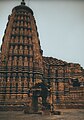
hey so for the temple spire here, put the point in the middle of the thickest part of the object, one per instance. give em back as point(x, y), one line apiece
point(22, 3)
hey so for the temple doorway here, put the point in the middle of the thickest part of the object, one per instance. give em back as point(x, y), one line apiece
point(40, 90)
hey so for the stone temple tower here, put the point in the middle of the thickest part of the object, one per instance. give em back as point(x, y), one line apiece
point(29, 79)
point(21, 56)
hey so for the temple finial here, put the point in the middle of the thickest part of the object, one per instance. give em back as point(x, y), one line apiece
point(22, 3)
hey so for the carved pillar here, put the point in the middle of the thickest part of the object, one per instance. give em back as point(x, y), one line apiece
point(11, 50)
point(25, 61)
point(21, 50)
point(13, 96)
point(25, 96)
point(19, 95)
point(12, 39)
point(21, 31)
point(8, 89)
point(25, 50)
point(10, 61)
point(25, 31)
point(16, 50)
point(25, 40)
point(20, 61)
point(21, 39)
point(16, 39)
point(15, 61)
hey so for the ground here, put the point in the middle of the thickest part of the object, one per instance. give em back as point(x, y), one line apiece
point(69, 114)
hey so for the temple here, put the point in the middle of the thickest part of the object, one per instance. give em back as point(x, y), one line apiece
point(27, 78)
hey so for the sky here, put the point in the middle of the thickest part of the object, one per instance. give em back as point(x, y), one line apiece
point(60, 25)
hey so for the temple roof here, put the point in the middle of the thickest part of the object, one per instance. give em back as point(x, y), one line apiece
point(23, 7)
point(54, 61)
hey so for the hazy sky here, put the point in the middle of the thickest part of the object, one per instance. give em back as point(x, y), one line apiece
point(60, 25)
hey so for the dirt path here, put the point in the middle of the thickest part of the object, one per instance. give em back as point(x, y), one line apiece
point(70, 114)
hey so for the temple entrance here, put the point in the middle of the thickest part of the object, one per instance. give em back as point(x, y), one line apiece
point(35, 103)
point(40, 90)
